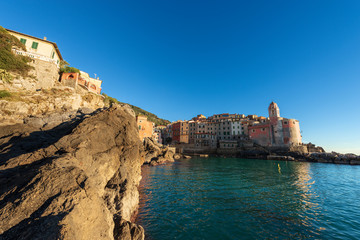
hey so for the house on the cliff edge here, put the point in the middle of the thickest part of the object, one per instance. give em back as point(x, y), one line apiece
point(46, 58)
point(37, 48)
point(83, 80)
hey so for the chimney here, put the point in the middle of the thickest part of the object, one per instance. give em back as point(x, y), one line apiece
point(45, 38)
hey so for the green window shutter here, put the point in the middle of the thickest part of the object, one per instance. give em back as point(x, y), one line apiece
point(23, 41)
point(34, 45)
point(53, 54)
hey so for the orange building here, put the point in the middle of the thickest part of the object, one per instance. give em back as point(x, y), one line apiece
point(146, 128)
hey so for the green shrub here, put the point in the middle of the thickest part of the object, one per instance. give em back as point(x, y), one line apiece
point(65, 68)
point(4, 94)
point(10, 61)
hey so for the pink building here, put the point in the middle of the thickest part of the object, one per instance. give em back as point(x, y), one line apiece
point(276, 131)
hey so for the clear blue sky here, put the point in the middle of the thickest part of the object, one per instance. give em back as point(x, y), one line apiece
point(181, 58)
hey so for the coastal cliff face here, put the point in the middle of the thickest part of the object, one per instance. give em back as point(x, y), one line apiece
point(60, 99)
point(71, 175)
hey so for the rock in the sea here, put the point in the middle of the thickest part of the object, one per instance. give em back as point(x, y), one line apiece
point(76, 180)
point(156, 153)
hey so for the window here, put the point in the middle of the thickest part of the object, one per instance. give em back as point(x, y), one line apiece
point(23, 41)
point(34, 45)
point(139, 127)
point(52, 55)
point(263, 129)
point(285, 122)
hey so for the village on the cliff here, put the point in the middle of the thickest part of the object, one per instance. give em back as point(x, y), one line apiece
point(226, 133)
point(46, 60)
point(223, 133)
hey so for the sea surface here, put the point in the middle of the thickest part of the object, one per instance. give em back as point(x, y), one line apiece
point(229, 198)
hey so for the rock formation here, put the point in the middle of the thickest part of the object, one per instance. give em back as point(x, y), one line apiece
point(156, 153)
point(23, 104)
point(71, 176)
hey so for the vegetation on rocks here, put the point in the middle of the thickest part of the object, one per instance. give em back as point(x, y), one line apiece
point(138, 111)
point(65, 68)
point(5, 76)
point(9, 61)
point(4, 94)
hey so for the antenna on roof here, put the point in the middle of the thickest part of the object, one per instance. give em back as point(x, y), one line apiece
point(95, 75)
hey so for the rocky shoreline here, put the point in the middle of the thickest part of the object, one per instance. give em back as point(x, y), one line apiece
point(74, 173)
point(71, 175)
point(333, 157)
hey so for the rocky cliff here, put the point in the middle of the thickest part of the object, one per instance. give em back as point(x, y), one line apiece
point(71, 175)
point(21, 104)
point(156, 153)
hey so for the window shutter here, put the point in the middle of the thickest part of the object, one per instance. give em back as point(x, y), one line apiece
point(34, 45)
point(23, 41)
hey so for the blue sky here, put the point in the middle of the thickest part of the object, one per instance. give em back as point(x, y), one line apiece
point(181, 58)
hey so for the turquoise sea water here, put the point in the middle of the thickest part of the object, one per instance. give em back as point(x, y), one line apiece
point(228, 198)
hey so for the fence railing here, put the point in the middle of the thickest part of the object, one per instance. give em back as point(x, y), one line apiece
point(35, 56)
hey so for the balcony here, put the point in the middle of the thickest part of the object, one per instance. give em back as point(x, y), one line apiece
point(35, 56)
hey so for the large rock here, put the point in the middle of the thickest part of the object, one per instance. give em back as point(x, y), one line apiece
point(156, 153)
point(77, 180)
point(58, 99)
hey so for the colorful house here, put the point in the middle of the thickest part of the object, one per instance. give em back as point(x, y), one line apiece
point(277, 131)
point(83, 80)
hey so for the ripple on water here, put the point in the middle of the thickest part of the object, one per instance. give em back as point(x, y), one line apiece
point(219, 198)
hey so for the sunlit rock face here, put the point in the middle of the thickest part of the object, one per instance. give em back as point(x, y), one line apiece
point(73, 180)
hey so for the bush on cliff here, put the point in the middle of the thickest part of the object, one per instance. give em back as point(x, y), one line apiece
point(8, 60)
point(138, 111)
point(65, 68)
point(4, 94)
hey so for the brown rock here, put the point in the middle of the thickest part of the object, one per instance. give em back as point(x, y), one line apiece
point(77, 180)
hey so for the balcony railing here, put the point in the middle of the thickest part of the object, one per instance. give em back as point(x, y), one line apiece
point(35, 56)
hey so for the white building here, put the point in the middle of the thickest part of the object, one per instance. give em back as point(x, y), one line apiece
point(37, 48)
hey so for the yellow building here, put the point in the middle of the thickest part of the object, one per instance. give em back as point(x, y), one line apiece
point(38, 48)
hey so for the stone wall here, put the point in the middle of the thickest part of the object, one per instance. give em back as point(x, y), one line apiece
point(44, 75)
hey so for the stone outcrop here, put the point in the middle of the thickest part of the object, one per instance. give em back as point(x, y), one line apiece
point(71, 176)
point(156, 153)
point(42, 75)
point(60, 99)
point(334, 157)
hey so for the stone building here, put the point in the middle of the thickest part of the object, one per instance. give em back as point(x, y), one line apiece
point(276, 131)
point(46, 59)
